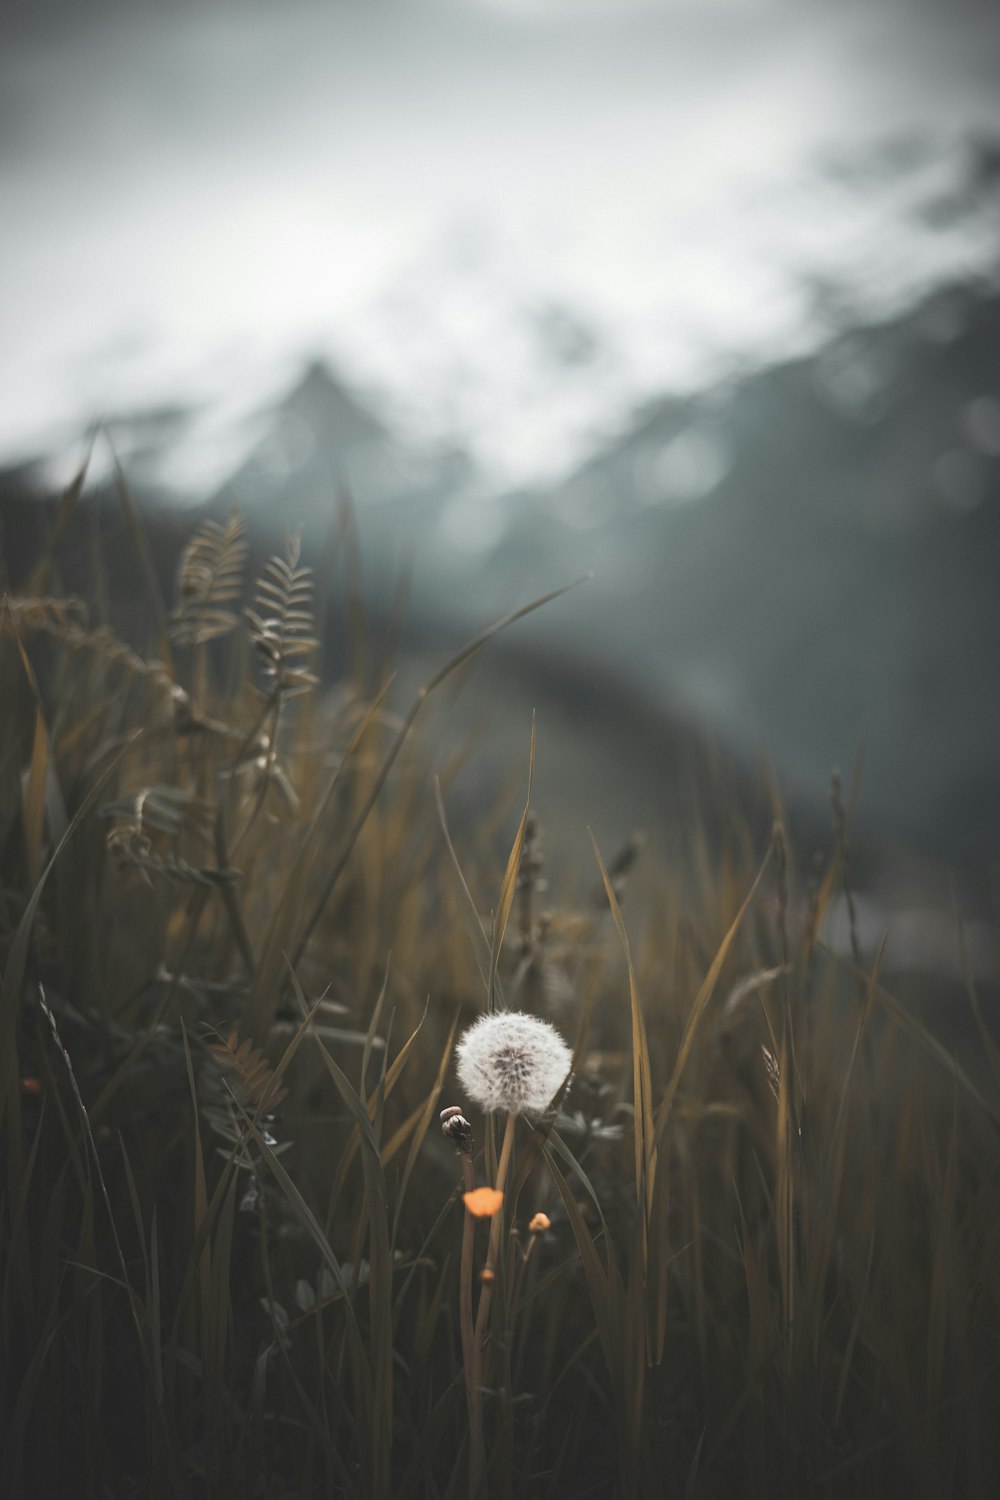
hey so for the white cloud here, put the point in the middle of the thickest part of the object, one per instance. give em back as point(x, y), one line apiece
point(194, 203)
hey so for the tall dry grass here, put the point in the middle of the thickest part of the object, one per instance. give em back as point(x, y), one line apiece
point(238, 941)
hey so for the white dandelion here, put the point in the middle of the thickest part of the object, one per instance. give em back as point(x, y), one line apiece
point(512, 1062)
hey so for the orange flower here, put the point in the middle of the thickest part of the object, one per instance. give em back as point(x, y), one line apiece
point(483, 1202)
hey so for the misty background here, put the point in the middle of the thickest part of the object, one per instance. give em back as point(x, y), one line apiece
point(702, 298)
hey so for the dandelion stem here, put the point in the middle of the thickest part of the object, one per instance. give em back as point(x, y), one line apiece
point(482, 1318)
point(496, 1232)
point(465, 1287)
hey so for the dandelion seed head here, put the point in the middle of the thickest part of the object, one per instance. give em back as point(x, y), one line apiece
point(512, 1062)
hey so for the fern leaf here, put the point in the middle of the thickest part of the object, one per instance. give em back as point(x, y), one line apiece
point(281, 624)
point(209, 580)
point(256, 1086)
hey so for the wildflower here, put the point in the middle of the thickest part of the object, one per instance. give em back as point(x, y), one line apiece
point(483, 1203)
point(540, 1224)
point(512, 1062)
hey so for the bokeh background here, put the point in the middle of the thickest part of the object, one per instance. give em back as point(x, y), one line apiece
point(699, 296)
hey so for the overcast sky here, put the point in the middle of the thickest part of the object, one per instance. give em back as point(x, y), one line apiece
point(506, 220)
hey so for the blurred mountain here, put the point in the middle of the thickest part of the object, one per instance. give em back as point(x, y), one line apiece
point(321, 445)
point(805, 561)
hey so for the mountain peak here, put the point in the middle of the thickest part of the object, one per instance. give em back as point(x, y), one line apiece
point(328, 407)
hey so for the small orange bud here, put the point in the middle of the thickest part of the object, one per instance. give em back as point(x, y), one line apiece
point(540, 1224)
point(487, 1275)
point(483, 1202)
point(30, 1086)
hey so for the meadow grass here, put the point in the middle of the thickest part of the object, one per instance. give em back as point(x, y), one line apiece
point(753, 1248)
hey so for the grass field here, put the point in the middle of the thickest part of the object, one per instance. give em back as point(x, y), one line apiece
point(752, 1247)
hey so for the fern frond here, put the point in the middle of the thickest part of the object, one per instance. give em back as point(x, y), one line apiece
point(136, 853)
point(256, 1087)
point(282, 624)
point(47, 613)
point(153, 814)
point(209, 580)
point(66, 621)
point(165, 809)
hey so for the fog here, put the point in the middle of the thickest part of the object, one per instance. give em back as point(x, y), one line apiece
point(700, 298)
point(507, 224)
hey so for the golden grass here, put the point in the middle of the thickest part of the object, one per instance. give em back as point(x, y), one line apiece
point(754, 1249)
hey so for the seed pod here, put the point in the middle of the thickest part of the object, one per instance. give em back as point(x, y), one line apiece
point(456, 1128)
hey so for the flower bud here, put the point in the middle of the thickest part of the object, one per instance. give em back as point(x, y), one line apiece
point(456, 1128)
